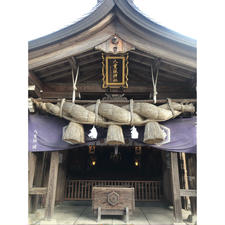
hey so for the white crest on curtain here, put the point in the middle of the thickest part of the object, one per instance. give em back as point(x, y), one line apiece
point(166, 135)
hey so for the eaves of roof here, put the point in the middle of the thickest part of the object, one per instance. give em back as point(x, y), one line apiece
point(96, 15)
point(127, 7)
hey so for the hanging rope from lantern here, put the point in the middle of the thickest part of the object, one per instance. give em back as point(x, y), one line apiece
point(74, 83)
point(154, 81)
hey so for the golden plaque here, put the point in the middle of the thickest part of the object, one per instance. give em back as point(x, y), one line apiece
point(114, 71)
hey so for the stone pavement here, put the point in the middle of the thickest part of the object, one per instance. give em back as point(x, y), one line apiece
point(74, 213)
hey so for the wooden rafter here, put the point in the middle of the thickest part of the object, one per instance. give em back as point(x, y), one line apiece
point(145, 72)
point(163, 60)
point(86, 54)
point(87, 77)
point(54, 71)
point(50, 65)
point(57, 76)
point(39, 86)
point(89, 61)
point(162, 68)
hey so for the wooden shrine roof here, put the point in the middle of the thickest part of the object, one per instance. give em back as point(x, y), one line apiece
point(102, 9)
point(49, 56)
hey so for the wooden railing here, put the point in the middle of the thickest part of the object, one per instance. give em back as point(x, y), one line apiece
point(82, 189)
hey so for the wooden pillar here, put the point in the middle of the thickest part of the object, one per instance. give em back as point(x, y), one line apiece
point(32, 158)
point(176, 187)
point(39, 177)
point(52, 181)
point(192, 172)
point(61, 181)
point(185, 177)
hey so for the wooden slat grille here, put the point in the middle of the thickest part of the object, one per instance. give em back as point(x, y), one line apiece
point(82, 189)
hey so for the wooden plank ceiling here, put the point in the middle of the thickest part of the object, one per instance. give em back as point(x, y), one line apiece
point(54, 80)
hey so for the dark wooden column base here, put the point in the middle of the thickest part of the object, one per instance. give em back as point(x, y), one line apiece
point(52, 181)
point(176, 187)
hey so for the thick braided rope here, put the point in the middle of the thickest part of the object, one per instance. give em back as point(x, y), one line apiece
point(171, 107)
point(131, 111)
point(96, 111)
point(130, 122)
point(182, 106)
point(61, 106)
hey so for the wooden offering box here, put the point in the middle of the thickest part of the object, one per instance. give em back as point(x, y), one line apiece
point(113, 201)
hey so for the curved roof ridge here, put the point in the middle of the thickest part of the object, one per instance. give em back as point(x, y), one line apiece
point(100, 10)
point(151, 25)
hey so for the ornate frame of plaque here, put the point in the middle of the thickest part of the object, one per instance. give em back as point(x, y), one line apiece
point(114, 71)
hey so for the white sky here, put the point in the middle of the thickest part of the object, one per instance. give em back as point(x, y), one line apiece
point(47, 16)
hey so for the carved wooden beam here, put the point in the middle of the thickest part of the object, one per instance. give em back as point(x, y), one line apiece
point(160, 101)
point(39, 86)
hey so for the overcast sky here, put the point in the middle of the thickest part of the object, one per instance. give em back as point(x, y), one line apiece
point(52, 15)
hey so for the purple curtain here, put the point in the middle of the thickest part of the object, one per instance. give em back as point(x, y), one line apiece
point(45, 134)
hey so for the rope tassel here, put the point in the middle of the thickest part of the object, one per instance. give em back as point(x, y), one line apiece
point(74, 84)
point(154, 82)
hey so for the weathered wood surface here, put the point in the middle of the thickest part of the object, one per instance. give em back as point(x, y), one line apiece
point(41, 160)
point(119, 46)
point(61, 180)
point(176, 187)
point(53, 174)
point(32, 158)
point(38, 190)
point(72, 49)
point(125, 199)
point(184, 180)
point(144, 190)
point(126, 31)
point(192, 178)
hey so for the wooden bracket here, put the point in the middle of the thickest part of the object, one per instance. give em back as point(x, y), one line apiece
point(115, 45)
point(39, 86)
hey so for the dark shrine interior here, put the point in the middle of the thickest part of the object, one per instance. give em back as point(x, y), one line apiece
point(105, 165)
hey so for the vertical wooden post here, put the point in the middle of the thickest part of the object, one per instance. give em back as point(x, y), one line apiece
point(192, 172)
point(39, 177)
point(61, 181)
point(185, 176)
point(176, 187)
point(52, 181)
point(32, 158)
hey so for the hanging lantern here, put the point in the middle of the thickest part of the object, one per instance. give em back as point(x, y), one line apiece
point(91, 149)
